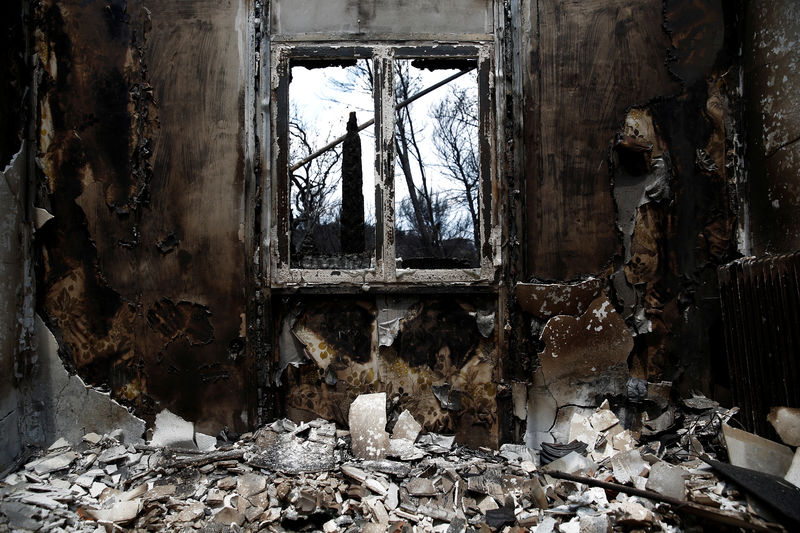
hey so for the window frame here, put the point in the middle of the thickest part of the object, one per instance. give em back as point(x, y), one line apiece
point(385, 271)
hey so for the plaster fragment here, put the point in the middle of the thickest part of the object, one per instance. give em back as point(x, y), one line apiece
point(367, 421)
point(406, 427)
point(172, 431)
point(793, 475)
point(756, 453)
point(786, 421)
point(519, 395)
point(667, 480)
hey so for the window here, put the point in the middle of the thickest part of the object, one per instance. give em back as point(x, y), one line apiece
point(382, 164)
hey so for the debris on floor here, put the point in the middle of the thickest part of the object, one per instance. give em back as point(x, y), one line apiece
point(316, 477)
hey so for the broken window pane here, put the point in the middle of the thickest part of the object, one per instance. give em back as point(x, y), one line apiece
point(331, 191)
point(437, 165)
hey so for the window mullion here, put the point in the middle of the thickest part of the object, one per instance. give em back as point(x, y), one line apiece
point(384, 163)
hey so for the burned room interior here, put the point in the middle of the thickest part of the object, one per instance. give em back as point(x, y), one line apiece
point(400, 265)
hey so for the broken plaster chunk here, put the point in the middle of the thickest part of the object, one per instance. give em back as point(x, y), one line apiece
point(404, 449)
point(572, 526)
point(595, 523)
point(228, 516)
point(159, 492)
point(487, 504)
point(353, 472)
point(172, 431)
point(41, 500)
point(630, 513)
point(215, 497)
point(378, 511)
point(52, 463)
point(205, 443)
point(786, 421)
point(516, 453)
point(667, 480)
point(92, 438)
point(756, 453)
point(392, 499)
point(519, 396)
point(604, 418)
point(793, 475)
point(572, 463)
point(421, 486)
point(581, 430)
point(547, 525)
point(59, 444)
point(119, 513)
point(623, 441)
point(250, 484)
point(628, 465)
point(191, 512)
point(367, 420)
point(406, 427)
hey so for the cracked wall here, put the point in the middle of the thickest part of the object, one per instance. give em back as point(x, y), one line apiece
point(639, 203)
point(140, 270)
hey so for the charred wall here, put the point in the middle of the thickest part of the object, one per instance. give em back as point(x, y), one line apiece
point(771, 84)
point(624, 190)
point(634, 171)
point(140, 272)
point(435, 355)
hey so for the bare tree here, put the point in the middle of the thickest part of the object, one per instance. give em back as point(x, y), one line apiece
point(312, 187)
point(455, 141)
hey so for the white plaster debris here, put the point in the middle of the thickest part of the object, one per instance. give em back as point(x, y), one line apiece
point(667, 480)
point(756, 453)
point(367, 421)
point(628, 465)
point(793, 475)
point(172, 431)
point(406, 427)
point(445, 487)
point(786, 421)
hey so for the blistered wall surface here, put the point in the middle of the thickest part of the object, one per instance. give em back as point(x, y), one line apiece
point(140, 272)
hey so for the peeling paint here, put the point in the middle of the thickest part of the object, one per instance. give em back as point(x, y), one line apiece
point(440, 367)
point(585, 358)
point(546, 300)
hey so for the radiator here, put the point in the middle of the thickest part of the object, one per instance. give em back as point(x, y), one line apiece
point(760, 300)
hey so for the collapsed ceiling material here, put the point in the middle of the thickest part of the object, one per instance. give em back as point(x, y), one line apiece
point(315, 475)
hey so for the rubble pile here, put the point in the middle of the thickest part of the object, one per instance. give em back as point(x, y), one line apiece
point(316, 477)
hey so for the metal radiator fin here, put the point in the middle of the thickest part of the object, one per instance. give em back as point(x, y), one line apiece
point(760, 300)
